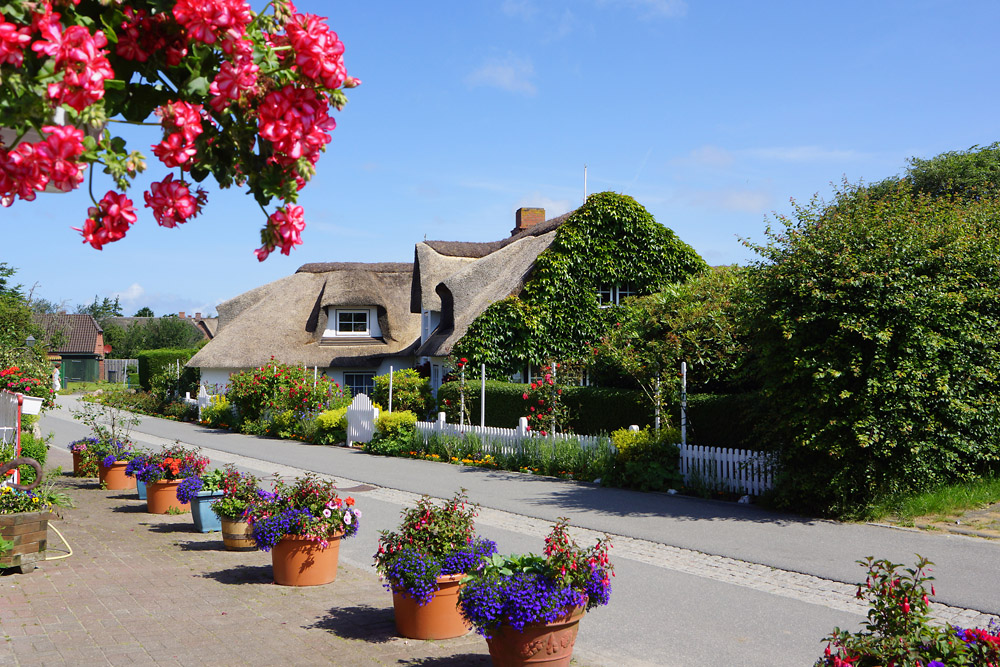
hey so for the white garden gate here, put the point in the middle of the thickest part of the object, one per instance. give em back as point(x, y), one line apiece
point(361, 416)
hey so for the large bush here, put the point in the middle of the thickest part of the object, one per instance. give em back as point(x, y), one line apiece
point(153, 363)
point(875, 330)
point(593, 410)
point(410, 391)
point(274, 388)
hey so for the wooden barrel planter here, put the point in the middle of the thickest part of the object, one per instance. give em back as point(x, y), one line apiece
point(236, 536)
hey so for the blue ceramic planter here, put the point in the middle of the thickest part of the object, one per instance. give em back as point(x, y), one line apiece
point(205, 520)
point(140, 487)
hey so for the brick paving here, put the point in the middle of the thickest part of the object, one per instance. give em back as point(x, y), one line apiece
point(147, 589)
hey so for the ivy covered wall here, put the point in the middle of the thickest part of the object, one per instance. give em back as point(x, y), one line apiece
point(611, 240)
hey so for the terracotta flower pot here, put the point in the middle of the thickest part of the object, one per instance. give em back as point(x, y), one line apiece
point(236, 536)
point(548, 644)
point(113, 477)
point(161, 497)
point(438, 619)
point(297, 561)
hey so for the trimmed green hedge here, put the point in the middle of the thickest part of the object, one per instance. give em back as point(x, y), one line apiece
point(152, 362)
point(594, 409)
point(720, 420)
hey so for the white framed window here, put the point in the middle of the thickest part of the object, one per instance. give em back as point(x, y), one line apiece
point(612, 295)
point(353, 323)
point(359, 383)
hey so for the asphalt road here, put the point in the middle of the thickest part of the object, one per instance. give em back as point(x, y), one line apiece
point(667, 609)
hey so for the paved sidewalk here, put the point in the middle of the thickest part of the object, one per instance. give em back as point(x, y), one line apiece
point(146, 589)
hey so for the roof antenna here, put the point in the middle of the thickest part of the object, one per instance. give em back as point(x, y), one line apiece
point(584, 184)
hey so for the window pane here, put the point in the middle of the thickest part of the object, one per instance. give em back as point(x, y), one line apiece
point(352, 321)
point(605, 294)
point(359, 383)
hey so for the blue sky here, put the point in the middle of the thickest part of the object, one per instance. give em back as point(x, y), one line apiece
point(711, 114)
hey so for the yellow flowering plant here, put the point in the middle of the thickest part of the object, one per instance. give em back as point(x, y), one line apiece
point(13, 501)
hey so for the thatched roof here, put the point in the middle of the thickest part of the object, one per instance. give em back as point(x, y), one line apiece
point(286, 318)
point(468, 277)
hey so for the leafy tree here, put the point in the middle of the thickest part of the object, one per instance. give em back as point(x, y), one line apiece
point(875, 327)
point(610, 241)
point(101, 310)
point(46, 307)
point(692, 321)
point(145, 311)
point(15, 327)
point(970, 174)
point(155, 334)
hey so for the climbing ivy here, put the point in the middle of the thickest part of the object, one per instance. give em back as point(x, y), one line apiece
point(610, 240)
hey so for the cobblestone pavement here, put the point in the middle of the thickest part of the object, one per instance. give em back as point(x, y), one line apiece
point(145, 589)
point(803, 587)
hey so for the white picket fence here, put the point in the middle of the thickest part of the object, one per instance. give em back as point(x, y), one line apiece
point(361, 416)
point(723, 469)
point(510, 440)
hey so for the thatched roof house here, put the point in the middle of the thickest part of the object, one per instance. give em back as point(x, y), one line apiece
point(352, 320)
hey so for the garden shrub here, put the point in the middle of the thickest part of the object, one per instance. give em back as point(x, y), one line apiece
point(721, 420)
point(410, 391)
point(32, 447)
point(181, 410)
point(876, 337)
point(394, 430)
point(154, 362)
point(331, 426)
point(283, 425)
point(593, 410)
point(645, 460)
point(276, 387)
point(218, 413)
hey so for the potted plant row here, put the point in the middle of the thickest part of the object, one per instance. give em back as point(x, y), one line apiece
point(529, 607)
point(163, 472)
point(301, 524)
point(424, 562)
point(239, 491)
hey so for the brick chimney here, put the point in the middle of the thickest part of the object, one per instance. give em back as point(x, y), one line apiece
point(197, 316)
point(181, 315)
point(525, 218)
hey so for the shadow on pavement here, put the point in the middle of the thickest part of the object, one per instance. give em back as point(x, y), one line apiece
point(131, 509)
point(242, 574)
point(176, 527)
point(586, 496)
point(449, 661)
point(372, 624)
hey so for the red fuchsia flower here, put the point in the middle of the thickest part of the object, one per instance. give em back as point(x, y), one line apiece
point(231, 82)
point(172, 201)
point(296, 121)
point(13, 41)
point(318, 51)
point(21, 173)
point(524, 395)
point(284, 230)
point(109, 220)
point(60, 150)
point(181, 123)
point(79, 57)
point(206, 21)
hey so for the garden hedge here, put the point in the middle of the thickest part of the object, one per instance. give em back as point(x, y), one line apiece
point(593, 409)
point(152, 362)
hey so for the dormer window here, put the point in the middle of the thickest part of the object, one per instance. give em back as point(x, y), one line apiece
point(351, 326)
point(353, 323)
point(612, 295)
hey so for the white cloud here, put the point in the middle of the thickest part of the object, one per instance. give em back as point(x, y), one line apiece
point(134, 292)
point(650, 8)
point(511, 74)
point(553, 207)
point(804, 154)
point(744, 201)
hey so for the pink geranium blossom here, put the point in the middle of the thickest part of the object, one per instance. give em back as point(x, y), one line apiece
point(172, 201)
point(109, 220)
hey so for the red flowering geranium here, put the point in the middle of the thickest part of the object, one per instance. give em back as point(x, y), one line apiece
point(241, 96)
point(18, 381)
